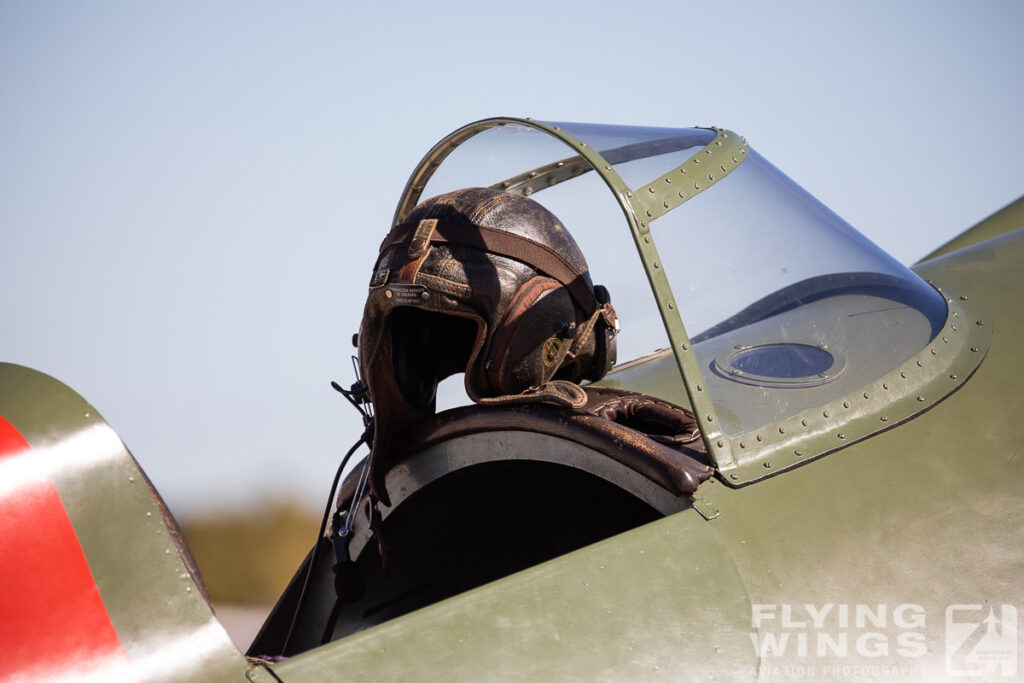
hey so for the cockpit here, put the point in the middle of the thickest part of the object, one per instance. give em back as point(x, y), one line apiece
point(747, 308)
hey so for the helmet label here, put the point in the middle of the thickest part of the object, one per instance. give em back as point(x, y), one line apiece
point(407, 295)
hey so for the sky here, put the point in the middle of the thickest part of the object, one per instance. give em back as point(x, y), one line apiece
point(192, 193)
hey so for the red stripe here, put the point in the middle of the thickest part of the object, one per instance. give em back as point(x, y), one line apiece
point(53, 622)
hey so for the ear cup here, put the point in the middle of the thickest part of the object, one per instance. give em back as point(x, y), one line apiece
point(530, 343)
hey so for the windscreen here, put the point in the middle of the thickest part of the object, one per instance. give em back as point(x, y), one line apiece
point(788, 306)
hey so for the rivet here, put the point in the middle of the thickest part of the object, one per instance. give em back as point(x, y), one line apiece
point(974, 348)
point(657, 265)
point(841, 435)
point(696, 160)
point(711, 418)
point(919, 364)
point(798, 453)
point(686, 347)
point(668, 179)
point(528, 191)
point(424, 295)
point(846, 404)
point(388, 293)
point(533, 174)
point(711, 177)
point(629, 194)
point(647, 239)
point(671, 306)
point(933, 351)
point(903, 375)
point(945, 340)
point(700, 387)
point(723, 168)
point(866, 395)
point(506, 184)
point(696, 186)
point(952, 376)
point(953, 327)
point(884, 418)
point(665, 204)
point(649, 214)
point(607, 167)
point(583, 144)
point(651, 190)
point(552, 180)
point(963, 297)
point(708, 152)
point(721, 443)
point(759, 438)
point(824, 413)
point(682, 170)
point(920, 399)
point(681, 194)
point(742, 445)
point(782, 430)
point(767, 465)
point(734, 477)
point(803, 422)
point(718, 143)
point(735, 160)
point(980, 323)
point(885, 386)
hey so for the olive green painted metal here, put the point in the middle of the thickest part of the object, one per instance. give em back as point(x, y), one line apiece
point(1006, 219)
point(660, 602)
point(698, 173)
point(151, 596)
point(927, 515)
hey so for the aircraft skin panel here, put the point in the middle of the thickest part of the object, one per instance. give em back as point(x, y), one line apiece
point(77, 507)
point(660, 602)
point(54, 619)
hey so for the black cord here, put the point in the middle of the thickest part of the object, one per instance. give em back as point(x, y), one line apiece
point(316, 546)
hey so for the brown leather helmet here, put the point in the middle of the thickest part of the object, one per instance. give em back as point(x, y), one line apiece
point(485, 282)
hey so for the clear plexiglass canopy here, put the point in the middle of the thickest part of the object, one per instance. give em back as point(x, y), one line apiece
point(786, 305)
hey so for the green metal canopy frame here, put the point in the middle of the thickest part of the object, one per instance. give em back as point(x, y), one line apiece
point(920, 383)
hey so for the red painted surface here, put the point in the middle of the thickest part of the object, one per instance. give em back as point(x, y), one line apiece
point(53, 623)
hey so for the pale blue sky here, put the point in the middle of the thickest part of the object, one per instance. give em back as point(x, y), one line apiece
point(191, 194)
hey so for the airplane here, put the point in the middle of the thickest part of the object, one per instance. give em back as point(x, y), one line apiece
point(809, 465)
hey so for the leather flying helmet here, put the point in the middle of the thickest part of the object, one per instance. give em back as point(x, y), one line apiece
point(485, 282)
